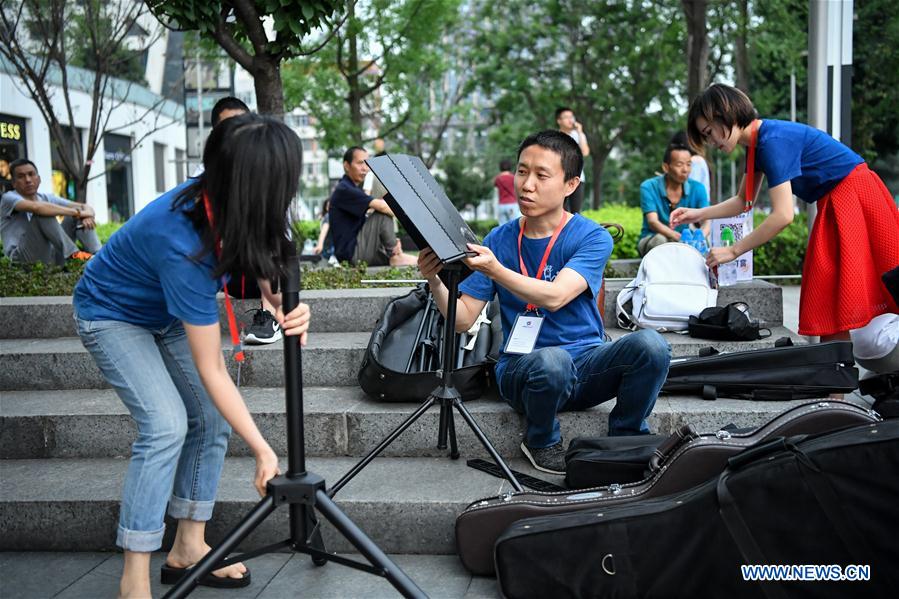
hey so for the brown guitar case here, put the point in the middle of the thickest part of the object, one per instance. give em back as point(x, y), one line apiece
point(684, 460)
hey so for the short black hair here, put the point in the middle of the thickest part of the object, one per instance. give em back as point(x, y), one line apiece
point(227, 103)
point(351, 153)
point(675, 147)
point(562, 109)
point(719, 104)
point(252, 167)
point(680, 138)
point(505, 165)
point(19, 162)
point(563, 145)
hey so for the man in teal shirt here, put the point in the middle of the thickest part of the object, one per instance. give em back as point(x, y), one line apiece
point(660, 195)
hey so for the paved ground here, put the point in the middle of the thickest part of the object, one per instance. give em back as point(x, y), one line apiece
point(274, 576)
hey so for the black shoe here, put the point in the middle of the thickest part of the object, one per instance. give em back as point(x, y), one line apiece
point(546, 459)
point(265, 329)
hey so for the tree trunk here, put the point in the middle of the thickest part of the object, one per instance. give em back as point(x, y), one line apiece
point(598, 160)
point(354, 98)
point(742, 52)
point(269, 89)
point(697, 47)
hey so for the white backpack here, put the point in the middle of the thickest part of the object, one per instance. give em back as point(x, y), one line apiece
point(671, 285)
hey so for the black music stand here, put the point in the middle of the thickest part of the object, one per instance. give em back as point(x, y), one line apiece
point(430, 218)
point(302, 491)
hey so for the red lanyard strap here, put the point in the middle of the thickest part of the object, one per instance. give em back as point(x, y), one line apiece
point(549, 247)
point(232, 320)
point(750, 168)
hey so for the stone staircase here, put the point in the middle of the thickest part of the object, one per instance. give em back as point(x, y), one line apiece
point(66, 436)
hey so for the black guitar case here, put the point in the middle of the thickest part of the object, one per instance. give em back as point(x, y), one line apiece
point(685, 460)
point(783, 372)
point(816, 506)
point(403, 354)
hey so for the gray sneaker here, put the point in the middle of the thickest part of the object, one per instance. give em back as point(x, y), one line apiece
point(546, 459)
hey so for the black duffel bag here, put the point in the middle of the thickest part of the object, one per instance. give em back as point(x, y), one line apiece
point(403, 356)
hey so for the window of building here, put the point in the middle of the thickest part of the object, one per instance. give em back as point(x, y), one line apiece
point(307, 145)
point(119, 195)
point(12, 147)
point(62, 181)
point(159, 159)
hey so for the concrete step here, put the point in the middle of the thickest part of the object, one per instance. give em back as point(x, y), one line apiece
point(335, 311)
point(407, 505)
point(340, 421)
point(329, 359)
point(88, 575)
point(625, 267)
point(765, 300)
point(339, 310)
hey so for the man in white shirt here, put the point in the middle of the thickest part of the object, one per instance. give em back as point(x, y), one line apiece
point(569, 125)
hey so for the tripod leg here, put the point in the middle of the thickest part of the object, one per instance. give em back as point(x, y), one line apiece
point(454, 448)
point(400, 581)
point(209, 563)
point(381, 446)
point(487, 445)
point(309, 534)
point(443, 426)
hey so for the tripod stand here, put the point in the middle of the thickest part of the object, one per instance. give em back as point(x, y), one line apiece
point(303, 492)
point(445, 394)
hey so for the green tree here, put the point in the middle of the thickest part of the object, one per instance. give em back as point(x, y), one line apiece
point(41, 39)
point(377, 74)
point(615, 63)
point(463, 184)
point(237, 26)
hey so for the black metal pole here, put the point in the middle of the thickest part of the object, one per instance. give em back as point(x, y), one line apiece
point(293, 380)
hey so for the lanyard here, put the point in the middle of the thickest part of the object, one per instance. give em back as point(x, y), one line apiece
point(750, 168)
point(232, 320)
point(552, 242)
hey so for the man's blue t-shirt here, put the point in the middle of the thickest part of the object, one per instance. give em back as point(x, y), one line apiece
point(347, 215)
point(582, 246)
point(809, 158)
point(654, 198)
point(147, 274)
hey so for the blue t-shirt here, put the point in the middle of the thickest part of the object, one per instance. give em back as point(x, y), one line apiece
point(582, 246)
point(147, 274)
point(347, 215)
point(653, 198)
point(811, 160)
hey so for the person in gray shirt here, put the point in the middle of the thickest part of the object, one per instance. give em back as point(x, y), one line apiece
point(29, 228)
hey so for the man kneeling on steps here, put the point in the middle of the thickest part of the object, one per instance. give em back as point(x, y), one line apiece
point(546, 268)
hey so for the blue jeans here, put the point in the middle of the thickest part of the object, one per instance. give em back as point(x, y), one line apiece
point(548, 381)
point(181, 437)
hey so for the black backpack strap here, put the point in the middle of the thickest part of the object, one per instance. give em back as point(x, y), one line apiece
point(768, 335)
point(783, 342)
point(705, 352)
point(742, 536)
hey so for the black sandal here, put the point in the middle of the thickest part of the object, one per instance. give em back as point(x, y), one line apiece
point(171, 575)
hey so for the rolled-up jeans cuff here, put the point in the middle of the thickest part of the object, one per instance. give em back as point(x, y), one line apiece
point(186, 509)
point(139, 540)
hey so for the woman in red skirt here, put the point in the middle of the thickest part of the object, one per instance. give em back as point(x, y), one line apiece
point(855, 237)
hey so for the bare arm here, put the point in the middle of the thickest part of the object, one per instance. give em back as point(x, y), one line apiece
point(781, 216)
point(48, 209)
point(323, 234)
point(379, 205)
point(206, 347)
point(582, 140)
point(652, 219)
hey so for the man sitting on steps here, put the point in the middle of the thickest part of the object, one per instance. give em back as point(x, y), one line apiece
point(28, 225)
point(546, 268)
point(362, 226)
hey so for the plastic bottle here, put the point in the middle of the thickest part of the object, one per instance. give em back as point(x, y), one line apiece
point(727, 272)
point(686, 236)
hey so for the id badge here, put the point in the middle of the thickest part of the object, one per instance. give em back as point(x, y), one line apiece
point(524, 333)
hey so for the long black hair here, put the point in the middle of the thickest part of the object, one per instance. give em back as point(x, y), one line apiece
point(252, 166)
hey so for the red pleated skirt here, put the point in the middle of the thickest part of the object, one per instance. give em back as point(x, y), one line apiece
point(855, 239)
